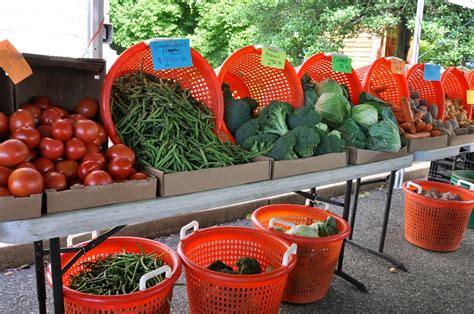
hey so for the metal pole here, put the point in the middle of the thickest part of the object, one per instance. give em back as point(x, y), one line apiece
point(345, 215)
point(55, 254)
point(354, 207)
point(40, 283)
point(388, 204)
point(416, 36)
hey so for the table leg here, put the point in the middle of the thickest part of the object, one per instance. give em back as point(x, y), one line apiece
point(40, 279)
point(388, 204)
point(345, 215)
point(55, 253)
point(354, 207)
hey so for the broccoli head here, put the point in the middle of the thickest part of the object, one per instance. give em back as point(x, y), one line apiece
point(219, 266)
point(249, 128)
point(226, 92)
point(307, 140)
point(304, 116)
point(273, 117)
point(309, 90)
point(236, 113)
point(330, 143)
point(252, 103)
point(248, 266)
point(260, 143)
point(283, 148)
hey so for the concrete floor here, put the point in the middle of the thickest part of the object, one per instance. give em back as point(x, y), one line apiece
point(435, 282)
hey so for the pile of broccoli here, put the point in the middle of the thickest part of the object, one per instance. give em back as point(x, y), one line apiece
point(246, 266)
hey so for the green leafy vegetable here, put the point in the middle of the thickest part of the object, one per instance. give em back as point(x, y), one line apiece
point(352, 134)
point(273, 117)
point(307, 139)
point(283, 148)
point(260, 143)
point(364, 115)
point(304, 231)
point(384, 137)
point(309, 90)
point(304, 116)
point(249, 128)
point(248, 266)
point(329, 86)
point(333, 107)
point(330, 143)
point(219, 266)
point(236, 113)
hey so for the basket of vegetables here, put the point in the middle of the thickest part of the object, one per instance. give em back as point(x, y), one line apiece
point(234, 269)
point(123, 274)
point(319, 235)
point(455, 86)
point(436, 214)
point(319, 68)
point(379, 80)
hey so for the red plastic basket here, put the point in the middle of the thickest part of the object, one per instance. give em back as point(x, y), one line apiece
point(470, 79)
point(431, 91)
point(214, 292)
point(455, 86)
point(153, 300)
point(379, 75)
point(433, 224)
point(319, 68)
point(317, 257)
point(200, 79)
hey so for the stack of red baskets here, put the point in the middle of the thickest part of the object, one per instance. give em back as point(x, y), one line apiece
point(319, 68)
point(455, 86)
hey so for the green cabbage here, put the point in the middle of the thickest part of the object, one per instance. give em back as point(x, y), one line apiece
point(333, 107)
point(384, 137)
point(352, 134)
point(328, 86)
point(365, 115)
point(305, 231)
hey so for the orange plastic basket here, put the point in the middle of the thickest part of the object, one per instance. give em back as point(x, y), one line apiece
point(214, 292)
point(432, 224)
point(431, 91)
point(455, 86)
point(200, 79)
point(379, 75)
point(470, 79)
point(153, 300)
point(317, 257)
point(319, 68)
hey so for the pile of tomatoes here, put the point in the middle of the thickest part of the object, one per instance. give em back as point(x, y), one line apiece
point(46, 147)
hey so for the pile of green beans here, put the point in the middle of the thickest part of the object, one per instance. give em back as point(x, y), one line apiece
point(116, 274)
point(167, 128)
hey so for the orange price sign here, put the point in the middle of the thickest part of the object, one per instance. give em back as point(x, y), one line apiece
point(398, 66)
point(13, 62)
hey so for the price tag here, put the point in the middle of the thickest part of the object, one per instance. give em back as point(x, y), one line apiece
point(470, 97)
point(13, 62)
point(341, 64)
point(398, 66)
point(432, 72)
point(273, 58)
point(171, 54)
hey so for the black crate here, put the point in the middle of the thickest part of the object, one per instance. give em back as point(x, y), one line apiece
point(441, 170)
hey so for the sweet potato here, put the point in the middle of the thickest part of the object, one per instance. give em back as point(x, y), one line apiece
point(408, 114)
point(428, 128)
point(417, 135)
point(420, 126)
point(405, 126)
point(435, 133)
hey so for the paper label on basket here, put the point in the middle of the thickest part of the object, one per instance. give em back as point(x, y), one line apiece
point(470, 97)
point(171, 54)
point(432, 72)
point(273, 58)
point(13, 62)
point(398, 66)
point(341, 64)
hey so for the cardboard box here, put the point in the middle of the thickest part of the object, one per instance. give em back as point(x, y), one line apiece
point(363, 156)
point(287, 168)
point(461, 140)
point(65, 81)
point(92, 196)
point(214, 178)
point(13, 208)
point(414, 145)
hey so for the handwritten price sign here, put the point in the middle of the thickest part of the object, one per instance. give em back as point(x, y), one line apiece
point(171, 54)
point(273, 58)
point(342, 64)
point(13, 62)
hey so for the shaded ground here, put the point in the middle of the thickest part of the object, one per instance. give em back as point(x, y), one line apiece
point(435, 282)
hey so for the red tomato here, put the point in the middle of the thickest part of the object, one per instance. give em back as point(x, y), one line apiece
point(87, 107)
point(63, 112)
point(20, 119)
point(49, 116)
point(77, 117)
point(68, 168)
point(62, 130)
point(95, 157)
point(74, 149)
point(139, 176)
point(102, 134)
point(4, 174)
point(86, 130)
point(26, 164)
point(3, 124)
point(41, 102)
point(43, 164)
point(45, 131)
point(70, 121)
point(24, 182)
point(4, 191)
point(85, 168)
point(97, 177)
point(28, 135)
point(31, 155)
point(92, 148)
point(97, 142)
point(119, 167)
point(34, 110)
point(51, 148)
point(120, 150)
point(132, 172)
point(12, 153)
point(54, 180)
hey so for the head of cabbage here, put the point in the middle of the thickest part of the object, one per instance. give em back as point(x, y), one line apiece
point(384, 136)
point(328, 86)
point(365, 115)
point(352, 134)
point(333, 107)
point(304, 231)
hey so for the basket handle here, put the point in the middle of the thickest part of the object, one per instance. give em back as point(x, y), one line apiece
point(149, 41)
point(461, 181)
point(291, 251)
point(267, 46)
point(193, 224)
point(330, 54)
point(418, 187)
point(70, 238)
point(282, 222)
point(143, 279)
point(326, 205)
